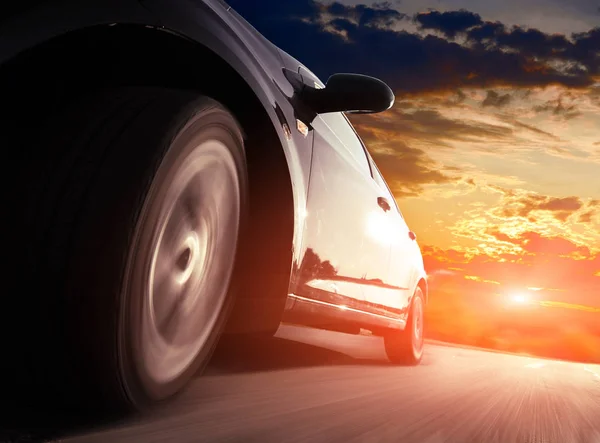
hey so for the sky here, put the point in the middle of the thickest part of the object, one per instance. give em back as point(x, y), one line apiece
point(492, 148)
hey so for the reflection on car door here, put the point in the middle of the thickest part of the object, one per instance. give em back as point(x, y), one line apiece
point(346, 252)
point(402, 254)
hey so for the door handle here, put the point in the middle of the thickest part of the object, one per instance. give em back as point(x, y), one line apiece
point(383, 204)
point(412, 235)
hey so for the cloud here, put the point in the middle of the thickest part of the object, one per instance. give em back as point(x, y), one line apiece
point(558, 107)
point(431, 127)
point(359, 39)
point(496, 100)
point(580, 53)
point(406, 169)
point(454, 120)
point(402, 138)
point(380, 15)
point(449, 23)
point(488, 143)
point(586, 217)
point(521, 125)
point(524, 205)
point(536, 243)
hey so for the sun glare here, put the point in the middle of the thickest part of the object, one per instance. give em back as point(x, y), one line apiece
point(519, 298)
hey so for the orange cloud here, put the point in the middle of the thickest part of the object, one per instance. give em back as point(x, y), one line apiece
point(533, 242)
point(554, 304)
point(523, 205)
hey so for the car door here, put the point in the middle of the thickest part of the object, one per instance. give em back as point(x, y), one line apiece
point(403, 249)
point(346, 256)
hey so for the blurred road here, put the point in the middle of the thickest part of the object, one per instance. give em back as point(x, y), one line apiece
point(314, 386)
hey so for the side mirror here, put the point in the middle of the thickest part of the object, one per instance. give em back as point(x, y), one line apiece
point(353, 93)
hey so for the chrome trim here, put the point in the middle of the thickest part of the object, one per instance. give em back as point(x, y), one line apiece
point(346, 313)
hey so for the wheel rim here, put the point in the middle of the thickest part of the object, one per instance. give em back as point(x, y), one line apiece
point(186, 280)
point(417, 325)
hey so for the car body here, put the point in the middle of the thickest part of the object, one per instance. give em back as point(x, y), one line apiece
point(331, 248)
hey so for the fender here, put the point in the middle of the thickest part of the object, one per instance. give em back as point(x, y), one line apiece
point(419, 275)
point(208, 23)
point(254, 58)
point(221, 30)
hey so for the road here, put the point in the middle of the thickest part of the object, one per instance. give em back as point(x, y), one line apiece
point(315, 386)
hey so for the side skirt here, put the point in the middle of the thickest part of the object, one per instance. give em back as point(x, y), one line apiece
point(321, 314)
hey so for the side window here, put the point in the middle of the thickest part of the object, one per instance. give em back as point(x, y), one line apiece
point(340, 125)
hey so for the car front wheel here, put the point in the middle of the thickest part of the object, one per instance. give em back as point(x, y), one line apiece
point(136, 207)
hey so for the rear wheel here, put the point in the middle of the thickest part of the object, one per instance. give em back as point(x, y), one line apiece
point(136, 213)
point(406, 347)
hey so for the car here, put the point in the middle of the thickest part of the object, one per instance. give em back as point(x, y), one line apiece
point(174, 176)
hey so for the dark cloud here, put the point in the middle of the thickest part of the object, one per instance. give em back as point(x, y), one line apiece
point(487, 31)
point(448, 23)
point(580, 53)
point(496, 100)
point(381, 14)
point(416, 63)
point(532, 42)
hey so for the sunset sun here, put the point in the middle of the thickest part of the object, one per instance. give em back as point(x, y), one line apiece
point(519, 298)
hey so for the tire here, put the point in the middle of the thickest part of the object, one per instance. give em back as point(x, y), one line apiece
point(406, 347)
point(136, 213)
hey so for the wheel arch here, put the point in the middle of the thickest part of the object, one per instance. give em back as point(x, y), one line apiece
point(422, 283)
point(86, 58)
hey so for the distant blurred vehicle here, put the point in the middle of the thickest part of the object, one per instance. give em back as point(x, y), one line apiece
point(177, 176)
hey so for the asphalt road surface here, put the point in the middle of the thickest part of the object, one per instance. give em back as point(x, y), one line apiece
point(315, 386)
